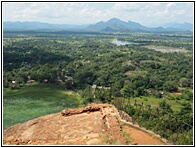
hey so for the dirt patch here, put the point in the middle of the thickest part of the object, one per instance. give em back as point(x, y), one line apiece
point(131, 63)
point(141, 138)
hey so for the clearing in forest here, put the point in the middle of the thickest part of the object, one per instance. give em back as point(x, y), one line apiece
point(165, 49)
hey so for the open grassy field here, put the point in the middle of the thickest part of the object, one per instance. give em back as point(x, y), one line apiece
point(34, 100)
point(176, 105)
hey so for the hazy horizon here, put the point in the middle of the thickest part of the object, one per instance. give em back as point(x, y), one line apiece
point(149, 14)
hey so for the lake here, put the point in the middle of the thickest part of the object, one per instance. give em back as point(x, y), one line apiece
point(118, 42)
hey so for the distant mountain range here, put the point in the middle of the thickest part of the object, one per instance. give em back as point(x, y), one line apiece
point(183, 26)
point(112, 25)
point(116, 25)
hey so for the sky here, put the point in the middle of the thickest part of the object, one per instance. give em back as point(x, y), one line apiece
point(148, 14)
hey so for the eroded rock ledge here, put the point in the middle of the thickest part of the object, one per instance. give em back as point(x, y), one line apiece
point(88, 109)
point(109, 114)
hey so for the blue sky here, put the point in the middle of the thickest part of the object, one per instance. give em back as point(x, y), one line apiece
point(148, 13)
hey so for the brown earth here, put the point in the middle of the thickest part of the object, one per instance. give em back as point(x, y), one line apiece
point(142, 138)
point(95, 124)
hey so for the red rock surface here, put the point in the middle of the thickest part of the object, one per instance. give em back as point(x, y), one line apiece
point(79, 126)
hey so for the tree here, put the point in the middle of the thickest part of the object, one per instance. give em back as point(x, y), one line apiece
point(186, 109)
point(170, 86)
point(103, 95)
point(184, 82)
point(166, 107)
point(186, 113)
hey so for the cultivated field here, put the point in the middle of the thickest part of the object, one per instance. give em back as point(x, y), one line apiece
point(165, 49)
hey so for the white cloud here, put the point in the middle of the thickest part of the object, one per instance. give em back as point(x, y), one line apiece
point(148, 13)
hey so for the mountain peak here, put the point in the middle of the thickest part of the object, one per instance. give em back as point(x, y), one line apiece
point(114, 20)
point(116, 25)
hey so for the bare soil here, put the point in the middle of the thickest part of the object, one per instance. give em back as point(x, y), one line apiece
point(79, 126)
point(142, 138)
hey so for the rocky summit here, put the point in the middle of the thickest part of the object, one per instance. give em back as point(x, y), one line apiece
point(95, 124)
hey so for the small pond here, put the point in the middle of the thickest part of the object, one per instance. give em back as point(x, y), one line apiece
point(118, 42)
